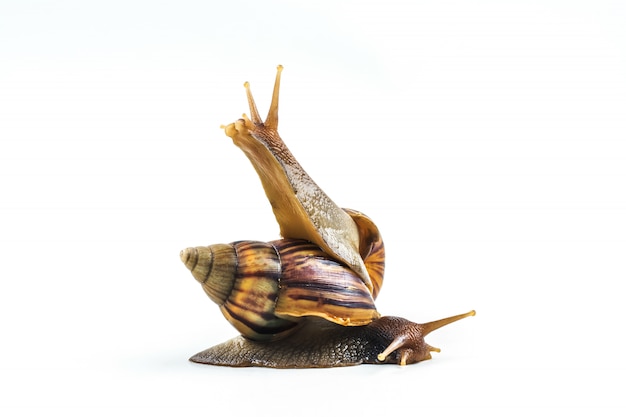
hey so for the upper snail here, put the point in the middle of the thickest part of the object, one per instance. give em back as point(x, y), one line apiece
point(306, 300)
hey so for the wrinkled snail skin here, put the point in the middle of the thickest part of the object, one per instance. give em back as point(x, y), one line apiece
point(306, 300)
point(321, 344)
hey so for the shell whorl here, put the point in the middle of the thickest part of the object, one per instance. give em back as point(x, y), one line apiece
point(314, 284)
point(212, 266)
point(371, 249)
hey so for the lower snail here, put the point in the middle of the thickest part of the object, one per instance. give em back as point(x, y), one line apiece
point(306, 300)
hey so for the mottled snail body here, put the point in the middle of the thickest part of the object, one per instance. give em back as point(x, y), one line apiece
point(318, 343)
point(306, 300)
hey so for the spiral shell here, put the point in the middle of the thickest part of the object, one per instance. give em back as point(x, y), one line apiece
point(265, 288)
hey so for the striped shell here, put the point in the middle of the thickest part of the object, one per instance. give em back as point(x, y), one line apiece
point(264, 289)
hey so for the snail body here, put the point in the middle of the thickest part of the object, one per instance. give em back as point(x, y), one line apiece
point(318, 343)
point(306, 300)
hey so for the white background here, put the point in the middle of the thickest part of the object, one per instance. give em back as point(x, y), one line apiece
point(485, 138)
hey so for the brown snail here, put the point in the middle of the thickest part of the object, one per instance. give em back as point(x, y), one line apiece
point(306, 300)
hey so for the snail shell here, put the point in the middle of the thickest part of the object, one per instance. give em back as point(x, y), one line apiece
point(265, 288)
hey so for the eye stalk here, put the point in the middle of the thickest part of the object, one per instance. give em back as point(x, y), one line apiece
point(271, 121)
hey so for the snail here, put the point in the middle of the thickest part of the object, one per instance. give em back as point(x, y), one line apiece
point(306, 300)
